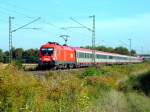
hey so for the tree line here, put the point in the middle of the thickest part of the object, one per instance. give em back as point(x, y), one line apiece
point(31, 55)
point(19, 54)
point(118, 50)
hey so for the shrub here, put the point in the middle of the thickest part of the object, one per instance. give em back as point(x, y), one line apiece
point(64, 91)
point(138, 83)
point(17, 64)
point(92, 72)
point(20, 91)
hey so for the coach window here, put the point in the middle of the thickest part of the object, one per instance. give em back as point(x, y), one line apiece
point(97, 56)
point(100, 56)
point(118, 58)
point(88, 55)
point(80, 55)
point(115, 57)
point(110, 57)
point(103, 57)
point(107, 57)
point(84, 55)
point(77, 54)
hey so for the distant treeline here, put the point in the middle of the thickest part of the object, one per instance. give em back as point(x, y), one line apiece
point(119, 50)
point(19, 54)
point(31, 55)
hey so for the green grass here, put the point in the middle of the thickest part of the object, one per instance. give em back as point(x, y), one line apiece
point(117, 88)
point(140, 83)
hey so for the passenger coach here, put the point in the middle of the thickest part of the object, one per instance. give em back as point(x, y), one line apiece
point(84, 58)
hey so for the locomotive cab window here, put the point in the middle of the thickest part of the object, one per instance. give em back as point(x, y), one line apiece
point(47, 51)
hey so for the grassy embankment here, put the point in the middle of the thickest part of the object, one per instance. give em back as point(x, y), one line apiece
point(114, 88)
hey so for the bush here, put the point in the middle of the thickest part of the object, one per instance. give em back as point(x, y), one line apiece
point(138, 83)
point(89, 72)
point(64, 91)
point(17, 64)
point(93, 72)
point(20, 91)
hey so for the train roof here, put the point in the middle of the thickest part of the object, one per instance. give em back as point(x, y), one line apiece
point(54, 44)
point(101, 52)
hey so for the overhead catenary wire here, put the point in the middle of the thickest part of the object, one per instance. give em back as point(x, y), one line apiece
point(81, 24)
point(2, 3)
point(25, 15)
point(4, 13)
point(44, 21)
point(16, 12)
point(3, 20)
point(10, 4)
point(22, 14)
point(16, 6)
point(26, 24)
point(49, 23)
point(93, 34)
point(11, 31)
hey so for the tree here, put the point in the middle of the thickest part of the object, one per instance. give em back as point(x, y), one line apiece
point(100, 48)
point(31, 56)
point(133, 52)
point(105, 49)
point(18, 53)
point(121, 50)
point(1, 56)
point(6, 57)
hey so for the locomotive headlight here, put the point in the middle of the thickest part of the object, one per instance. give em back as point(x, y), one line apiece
point(40, 59)
point(54, 58)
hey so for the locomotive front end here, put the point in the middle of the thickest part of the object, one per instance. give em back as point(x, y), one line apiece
point(47, 58)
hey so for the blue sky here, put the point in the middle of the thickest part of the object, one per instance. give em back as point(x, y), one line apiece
point(116, 22)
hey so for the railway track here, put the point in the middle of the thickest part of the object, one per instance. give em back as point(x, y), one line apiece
point(39, 72)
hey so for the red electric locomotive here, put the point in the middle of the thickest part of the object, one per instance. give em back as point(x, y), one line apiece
point(54, 55)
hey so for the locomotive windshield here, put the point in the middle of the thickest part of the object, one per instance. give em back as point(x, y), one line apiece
point(47, 51)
